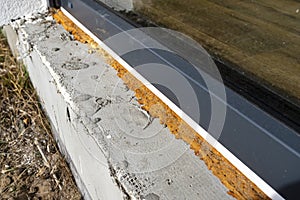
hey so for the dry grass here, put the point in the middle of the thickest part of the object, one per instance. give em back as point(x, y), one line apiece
point(30, 163)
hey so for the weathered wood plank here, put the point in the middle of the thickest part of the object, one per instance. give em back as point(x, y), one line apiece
point(261, 37)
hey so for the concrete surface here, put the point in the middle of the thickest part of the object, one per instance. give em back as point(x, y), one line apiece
point(13, 9)
point(13, 38)
point(116, 151)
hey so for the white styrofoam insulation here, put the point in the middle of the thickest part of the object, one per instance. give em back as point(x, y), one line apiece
point(13, 9)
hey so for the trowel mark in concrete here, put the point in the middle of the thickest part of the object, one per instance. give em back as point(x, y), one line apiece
point(103, 101)
point(73, 65)
point(94, 77)
point(151, 196)
point(82, 97)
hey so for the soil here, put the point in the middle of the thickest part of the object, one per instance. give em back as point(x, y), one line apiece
point(30, 162)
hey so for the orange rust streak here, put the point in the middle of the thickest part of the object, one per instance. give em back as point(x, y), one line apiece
point(238, 185)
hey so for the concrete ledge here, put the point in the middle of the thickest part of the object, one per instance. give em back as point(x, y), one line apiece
point(115, 149)
point(10, 33)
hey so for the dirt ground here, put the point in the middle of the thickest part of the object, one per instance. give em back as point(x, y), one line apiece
point(30, 163)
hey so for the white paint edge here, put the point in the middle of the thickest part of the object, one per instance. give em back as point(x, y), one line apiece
point(259, 182)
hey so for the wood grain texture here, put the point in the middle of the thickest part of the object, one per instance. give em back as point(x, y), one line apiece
point(261, 38)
